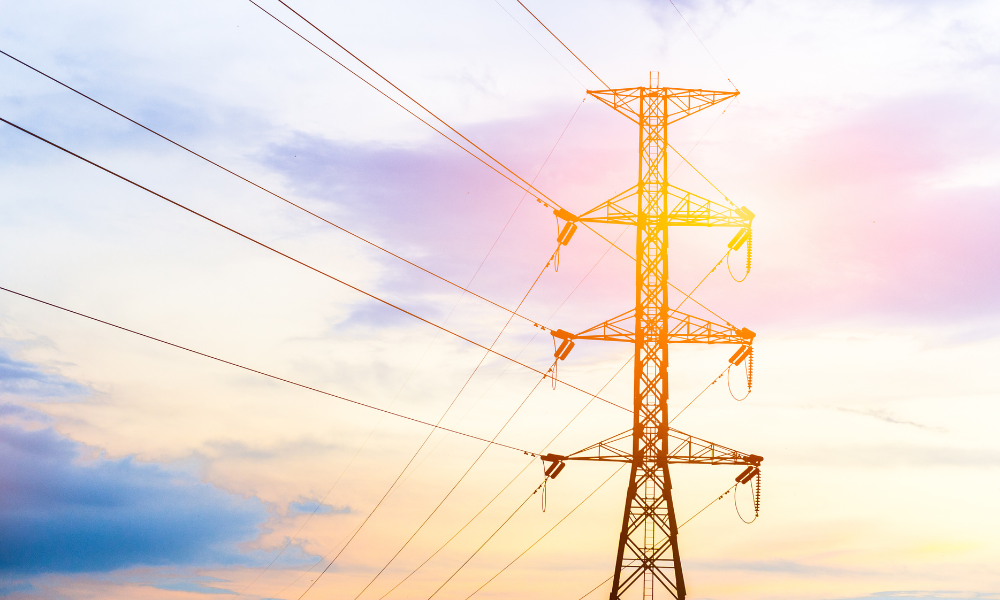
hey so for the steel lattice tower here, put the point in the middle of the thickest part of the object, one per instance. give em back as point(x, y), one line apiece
point(648, 554)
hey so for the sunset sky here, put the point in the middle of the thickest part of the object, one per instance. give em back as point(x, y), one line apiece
point(865, 138)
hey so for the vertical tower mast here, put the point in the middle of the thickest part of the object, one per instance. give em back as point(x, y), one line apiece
point(647, 547)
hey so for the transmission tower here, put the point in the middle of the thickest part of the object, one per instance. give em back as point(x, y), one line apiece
point(648, 554)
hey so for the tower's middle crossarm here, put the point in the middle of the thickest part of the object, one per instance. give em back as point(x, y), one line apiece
point(681, 328)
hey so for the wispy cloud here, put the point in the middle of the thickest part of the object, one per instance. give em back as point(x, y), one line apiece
point(26, 379)
point(887, 417)
point(307, 506)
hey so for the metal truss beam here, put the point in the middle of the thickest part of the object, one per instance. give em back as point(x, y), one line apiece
point(681, 328)
point(682, 448)
point(691, 210)
point(677, 102)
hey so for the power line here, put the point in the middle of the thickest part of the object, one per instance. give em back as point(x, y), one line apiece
point(276, 195)
point(511, 482)
point(295, 260)
point(474, 517)
point(597, 586)
point(412, 458)
point(252, 370)
point(508, 172)
point(681, 411)
point(471, 279)
point(377, 505)
point(492, 535)
point(448, 495)
point(540, 45)
point(559, 522)
point(703, 44)
point(524, 185)
point(561, 42)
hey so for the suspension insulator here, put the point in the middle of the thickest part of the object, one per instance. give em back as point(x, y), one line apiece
point(749, 249)
point(564, 214)
point(558, 464)
point(567, 233)
point(741, 354)
point(745, 213)
point(737, 242)
point(750, 371)
point(756, 497)
point(747, 474)
point(564, 349)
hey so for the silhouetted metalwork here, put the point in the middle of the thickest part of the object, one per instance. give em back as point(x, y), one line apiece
point(648, 554)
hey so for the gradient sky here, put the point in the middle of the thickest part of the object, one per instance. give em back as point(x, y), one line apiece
point(865, 139)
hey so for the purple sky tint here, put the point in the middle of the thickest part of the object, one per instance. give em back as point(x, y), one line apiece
point(864, 140)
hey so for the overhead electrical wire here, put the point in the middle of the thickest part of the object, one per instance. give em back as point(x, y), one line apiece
point(448, 495)
point(396, 484)
point(507, 172)
point(427, 439)
point(378, 504)
point(511, 482)
point(360, 448)
point(276, 195)
point(540, 45)
point(597, 587)
point(280, 253)
point(492, 535)
point(703, 44)
point(681, 411)
point(263, 373)
point(558, 523)
point(504, 370)
point(606, 86)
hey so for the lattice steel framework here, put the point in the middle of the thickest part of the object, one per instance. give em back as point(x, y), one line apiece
point(648, 555)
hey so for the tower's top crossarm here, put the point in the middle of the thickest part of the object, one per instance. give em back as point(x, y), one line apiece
point(678, 102)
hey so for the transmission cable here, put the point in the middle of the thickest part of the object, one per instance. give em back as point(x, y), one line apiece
point(265, 374)
point(374, 510)
point(468, 380)
point(530, 188)
point(521, 182)
point(559, 522)
point(597, 586)
point(427, 439)
point(724, 371)
point(540, 45)
point(276, 195)
point(563, 45)
point(475, 370)
point(497, 495)
point(447, 495)
point(492, 535)
point(703, 45)
point(314, 269)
